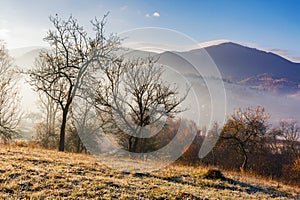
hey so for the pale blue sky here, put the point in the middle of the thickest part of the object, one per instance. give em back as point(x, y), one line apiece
point(264, 24)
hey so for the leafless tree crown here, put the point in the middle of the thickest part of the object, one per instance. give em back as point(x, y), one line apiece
point(10, 113)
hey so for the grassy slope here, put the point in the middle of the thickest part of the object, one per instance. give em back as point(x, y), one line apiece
point(37, 174)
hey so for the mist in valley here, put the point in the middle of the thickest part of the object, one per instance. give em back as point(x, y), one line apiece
point(211, 97)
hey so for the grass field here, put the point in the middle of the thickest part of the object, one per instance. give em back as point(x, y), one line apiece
point(32, 173)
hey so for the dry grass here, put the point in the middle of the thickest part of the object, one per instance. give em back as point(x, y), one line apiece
point(33, 173)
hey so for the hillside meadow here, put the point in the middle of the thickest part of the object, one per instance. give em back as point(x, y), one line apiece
point(34, 173)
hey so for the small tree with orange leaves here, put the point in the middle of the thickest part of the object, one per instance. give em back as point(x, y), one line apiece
point(245, 129)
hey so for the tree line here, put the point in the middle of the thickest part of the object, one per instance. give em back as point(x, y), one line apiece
point(248, 142)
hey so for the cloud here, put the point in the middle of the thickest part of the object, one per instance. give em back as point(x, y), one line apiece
point(3, 33)
point(296, 58)
point(295, 96)
point(211, 43)
point(156, 14)
point(3, 23)
point(283, 53)
point(3, 30)
point(280, 51)
point(123, 8)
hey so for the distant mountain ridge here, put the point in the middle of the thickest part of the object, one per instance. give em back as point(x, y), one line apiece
point(243, 65)
point(251, 76)
point(239, 62)
point(266, 82)
point(229, 57)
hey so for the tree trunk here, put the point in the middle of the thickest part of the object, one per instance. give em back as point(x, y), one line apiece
point(135, 144)
point(213, 156)
point(78, 145)
point(63, 130)
point(244, 165)
point(130, 143)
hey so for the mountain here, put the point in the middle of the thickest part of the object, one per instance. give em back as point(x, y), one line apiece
point(267, 82)
point(235, 62)
point(242, 65)
point(239, 62)
point(25, 57)
point(251, 77)
point(18, 52)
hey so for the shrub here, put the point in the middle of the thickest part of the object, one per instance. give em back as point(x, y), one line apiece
point(291, 173)
point(214, 174)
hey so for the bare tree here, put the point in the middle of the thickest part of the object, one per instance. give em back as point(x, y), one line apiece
point(69, 64)
point(47, 104)
point(290, 131)
point(213, 135)
point(47, 130)
point(10, 112)
point(133, 97)
point(245, 129)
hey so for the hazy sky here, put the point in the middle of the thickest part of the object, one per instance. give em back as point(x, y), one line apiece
point(273, 25)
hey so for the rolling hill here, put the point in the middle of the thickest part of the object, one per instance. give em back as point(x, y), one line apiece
point(33, 173)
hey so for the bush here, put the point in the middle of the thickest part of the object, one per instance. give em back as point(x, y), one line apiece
point(45, 137)
point(214, 174)
point(190, 155)
point(291, 173)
